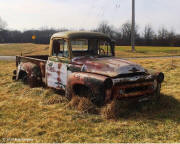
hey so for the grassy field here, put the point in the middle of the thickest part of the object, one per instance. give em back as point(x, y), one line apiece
point(121, 51)
point(41, 115)
point(24, 48)
point(147, 51)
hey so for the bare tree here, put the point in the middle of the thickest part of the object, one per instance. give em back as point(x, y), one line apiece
point(172, 38)
point(163, 33)
point(3, 32)
point(126, 32)
point(148, 32)
point(3, 24)
point(105, 28)
point(164, 37)
point(148, 35)
point(122, 35)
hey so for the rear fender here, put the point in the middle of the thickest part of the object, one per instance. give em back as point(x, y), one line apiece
point(31, 69)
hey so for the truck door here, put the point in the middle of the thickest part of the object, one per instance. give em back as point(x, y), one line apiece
point(56, 67)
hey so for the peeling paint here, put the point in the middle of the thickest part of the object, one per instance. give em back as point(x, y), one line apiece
point(107, 77)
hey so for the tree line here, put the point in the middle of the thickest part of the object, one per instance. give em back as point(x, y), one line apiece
point(148, 37)
point(121, 36)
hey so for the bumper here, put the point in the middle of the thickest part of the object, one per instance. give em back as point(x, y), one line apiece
point(139, 88)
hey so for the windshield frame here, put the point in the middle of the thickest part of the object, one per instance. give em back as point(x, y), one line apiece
point(109, 53)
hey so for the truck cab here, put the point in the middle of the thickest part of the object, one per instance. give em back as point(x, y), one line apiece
point(84, 64)
point(67, 48)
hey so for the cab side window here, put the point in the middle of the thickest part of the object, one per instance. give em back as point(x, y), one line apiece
point(60, 48)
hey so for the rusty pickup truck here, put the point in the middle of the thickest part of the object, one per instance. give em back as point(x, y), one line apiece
point(84, 64)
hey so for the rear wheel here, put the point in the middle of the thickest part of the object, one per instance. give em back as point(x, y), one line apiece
point(31, 80)
point(24, 77)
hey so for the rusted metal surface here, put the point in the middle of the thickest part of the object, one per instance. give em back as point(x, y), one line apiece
point(107, 66)
point(132, 90)
point(92, 81)
point(34, 68)
point(56, 74)
point(85, 79)
point(107, 77)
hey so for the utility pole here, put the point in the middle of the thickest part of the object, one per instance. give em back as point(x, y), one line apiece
point(133, 26)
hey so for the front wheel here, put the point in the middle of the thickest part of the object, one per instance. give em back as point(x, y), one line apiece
point(83, 91)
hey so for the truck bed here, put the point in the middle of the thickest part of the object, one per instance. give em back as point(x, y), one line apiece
point(34, 59)
point(38, 57)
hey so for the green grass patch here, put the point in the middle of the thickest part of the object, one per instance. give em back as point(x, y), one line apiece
point(147, 51)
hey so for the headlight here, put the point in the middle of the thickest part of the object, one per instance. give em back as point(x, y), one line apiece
point(160, 77)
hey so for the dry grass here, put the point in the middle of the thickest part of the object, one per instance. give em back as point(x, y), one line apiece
point(121, 51)
point(55, 100)
point(74, 102)
point(111, 111)
point(86, 106)
point(83, 105)
point(24, 48)
point(114, 110)
point(41, 115)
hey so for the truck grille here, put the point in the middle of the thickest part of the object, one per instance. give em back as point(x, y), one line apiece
point(133, 89)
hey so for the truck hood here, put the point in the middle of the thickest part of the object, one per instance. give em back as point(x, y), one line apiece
point(108, 66)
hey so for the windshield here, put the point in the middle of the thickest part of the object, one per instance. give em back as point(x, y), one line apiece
point(90, 47)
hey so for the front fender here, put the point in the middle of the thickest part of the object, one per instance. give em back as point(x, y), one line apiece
point(92, 81)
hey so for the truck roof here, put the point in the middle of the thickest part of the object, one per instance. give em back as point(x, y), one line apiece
point(80, 35)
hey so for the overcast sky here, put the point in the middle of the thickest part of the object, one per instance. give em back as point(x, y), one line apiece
point(77, 14)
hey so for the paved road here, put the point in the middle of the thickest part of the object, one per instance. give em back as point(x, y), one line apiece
point(7, 58)
point(12, 58)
